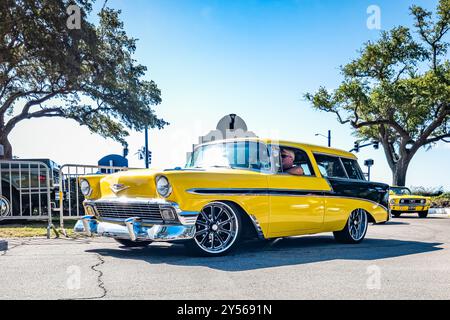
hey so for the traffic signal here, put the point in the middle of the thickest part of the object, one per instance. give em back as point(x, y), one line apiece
point(149, 157)
point(356, 146)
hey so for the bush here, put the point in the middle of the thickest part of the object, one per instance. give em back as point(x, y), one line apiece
point(441, 201)
point(427, 192)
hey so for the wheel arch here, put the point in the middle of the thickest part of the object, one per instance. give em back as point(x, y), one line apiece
point(370, 217)
point(250, 225)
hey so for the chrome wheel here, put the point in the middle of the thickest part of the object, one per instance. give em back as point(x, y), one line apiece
point(5, 207)
point(217, 228)
point(357, 224)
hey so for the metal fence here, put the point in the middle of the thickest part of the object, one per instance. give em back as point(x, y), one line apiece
point(31, 190)
point(69, 195)
point(25, 191)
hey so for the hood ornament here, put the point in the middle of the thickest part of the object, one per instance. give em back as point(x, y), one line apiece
point(118, 187)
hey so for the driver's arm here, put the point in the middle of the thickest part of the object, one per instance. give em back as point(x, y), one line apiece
point(296, 171)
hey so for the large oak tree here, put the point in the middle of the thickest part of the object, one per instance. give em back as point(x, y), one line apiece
point(50, 69)
point(398, 90)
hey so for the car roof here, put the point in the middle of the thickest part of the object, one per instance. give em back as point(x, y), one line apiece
point(305, 146)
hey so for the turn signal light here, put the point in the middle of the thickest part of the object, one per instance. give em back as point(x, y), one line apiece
point(167, 214)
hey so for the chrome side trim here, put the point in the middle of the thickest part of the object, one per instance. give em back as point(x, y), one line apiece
point(280, 192)
point(256, 191)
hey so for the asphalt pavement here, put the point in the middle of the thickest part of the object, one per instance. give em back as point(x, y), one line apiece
point(407, 258)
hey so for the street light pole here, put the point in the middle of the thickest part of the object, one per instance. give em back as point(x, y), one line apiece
point(146, 148)
point(329, 138)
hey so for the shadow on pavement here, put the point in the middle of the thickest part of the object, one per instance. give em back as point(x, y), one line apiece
point(393, 223)
point(283, 252)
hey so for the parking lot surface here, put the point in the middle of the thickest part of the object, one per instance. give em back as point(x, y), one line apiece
point(407, 258)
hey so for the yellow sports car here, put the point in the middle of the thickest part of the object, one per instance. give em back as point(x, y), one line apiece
point(236, 189)
point(401, 200)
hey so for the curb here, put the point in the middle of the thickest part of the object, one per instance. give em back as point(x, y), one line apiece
point(3, 245)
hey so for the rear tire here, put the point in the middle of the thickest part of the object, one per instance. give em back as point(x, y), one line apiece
point(133, 244)
point(423, 214)
point(5, 207)
point(219, 229)
point(11, 206)
point(355, 229)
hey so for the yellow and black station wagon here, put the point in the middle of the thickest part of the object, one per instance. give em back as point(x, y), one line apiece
point(236, 189)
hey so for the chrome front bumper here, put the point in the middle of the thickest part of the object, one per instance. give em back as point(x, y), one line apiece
point(133, 230)
point(139, 227)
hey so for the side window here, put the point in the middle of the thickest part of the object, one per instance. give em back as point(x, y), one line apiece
point(301, 160)
point(330, 166)
point(353, 169)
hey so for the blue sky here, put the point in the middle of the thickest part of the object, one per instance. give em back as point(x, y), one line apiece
point(255, 58)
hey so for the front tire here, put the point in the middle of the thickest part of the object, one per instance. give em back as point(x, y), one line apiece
point(133, 244)
point(423, 214)
point(355, 229)
point(396, 214)
point(219, 229)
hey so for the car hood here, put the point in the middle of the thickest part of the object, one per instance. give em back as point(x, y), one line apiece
point(142, 183)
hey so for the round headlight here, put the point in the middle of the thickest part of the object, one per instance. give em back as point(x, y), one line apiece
point(163, 186)
point(392, 201)
point(85, 187)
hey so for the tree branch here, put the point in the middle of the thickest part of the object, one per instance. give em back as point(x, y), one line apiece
point(438, 138)
point(51, 112)
point(444, 111)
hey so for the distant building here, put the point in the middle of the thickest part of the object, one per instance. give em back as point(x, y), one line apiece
point(229, 127)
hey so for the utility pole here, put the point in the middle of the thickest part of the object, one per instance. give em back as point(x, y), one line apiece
point(329, 138)
point(146, 148)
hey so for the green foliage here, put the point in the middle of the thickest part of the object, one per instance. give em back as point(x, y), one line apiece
point(398, 89)
point(427, 192)
point(442, 201)
point(86, 74)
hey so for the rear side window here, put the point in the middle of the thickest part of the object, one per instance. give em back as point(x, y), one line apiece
point(330, 166)
point(353, 169)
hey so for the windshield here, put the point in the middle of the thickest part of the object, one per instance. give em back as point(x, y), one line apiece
point(238, 154)
point(401, 191)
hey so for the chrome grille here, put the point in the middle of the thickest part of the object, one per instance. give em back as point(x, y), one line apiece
point(146, 211)
point(411, 201)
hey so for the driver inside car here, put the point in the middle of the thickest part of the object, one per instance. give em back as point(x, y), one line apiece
point(287, 162)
